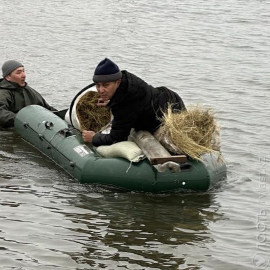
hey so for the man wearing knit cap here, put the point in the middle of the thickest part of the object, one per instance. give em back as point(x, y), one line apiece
point(16, 94)
point(133, 103)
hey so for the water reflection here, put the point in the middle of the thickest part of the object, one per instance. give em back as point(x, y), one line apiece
point(135, 230)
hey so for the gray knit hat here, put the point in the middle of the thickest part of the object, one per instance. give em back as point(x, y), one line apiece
point(9, 66)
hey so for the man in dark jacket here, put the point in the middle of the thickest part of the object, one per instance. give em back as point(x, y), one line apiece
point(15, 94)
point(133, 103)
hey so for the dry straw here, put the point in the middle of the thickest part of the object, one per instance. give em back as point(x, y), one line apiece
point(190, 132)
point(91, 116)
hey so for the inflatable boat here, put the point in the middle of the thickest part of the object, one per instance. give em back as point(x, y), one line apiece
point(62, 143)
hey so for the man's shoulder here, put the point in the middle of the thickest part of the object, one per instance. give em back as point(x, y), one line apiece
point(5, 85)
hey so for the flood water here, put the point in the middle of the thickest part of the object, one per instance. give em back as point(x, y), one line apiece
point(214, 53)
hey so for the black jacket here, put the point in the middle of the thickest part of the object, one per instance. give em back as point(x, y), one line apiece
point(13, 98)
point(137, 105)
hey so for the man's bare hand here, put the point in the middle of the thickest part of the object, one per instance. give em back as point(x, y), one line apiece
point(88, 135)
point(102, 103)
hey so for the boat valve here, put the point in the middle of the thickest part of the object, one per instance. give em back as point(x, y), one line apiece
point(66, 132)
point(48, 124)
point(25, 124)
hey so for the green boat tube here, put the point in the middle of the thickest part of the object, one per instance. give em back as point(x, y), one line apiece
point(63, 144)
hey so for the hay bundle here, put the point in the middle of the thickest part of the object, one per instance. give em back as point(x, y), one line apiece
point(91, 116)
point(192, 132)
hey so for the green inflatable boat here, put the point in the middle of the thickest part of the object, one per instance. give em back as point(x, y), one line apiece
point(63, 144)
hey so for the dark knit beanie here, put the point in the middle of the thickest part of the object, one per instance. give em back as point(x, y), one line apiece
point(9, 66)
point(107, 71)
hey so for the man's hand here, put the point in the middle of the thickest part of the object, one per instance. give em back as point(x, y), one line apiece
point(102, 103)
point(88, 135)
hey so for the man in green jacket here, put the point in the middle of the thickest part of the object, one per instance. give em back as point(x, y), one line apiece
point(16, 94)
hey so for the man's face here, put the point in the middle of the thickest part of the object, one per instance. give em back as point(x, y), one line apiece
point(107, 89)
point(18, 76)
